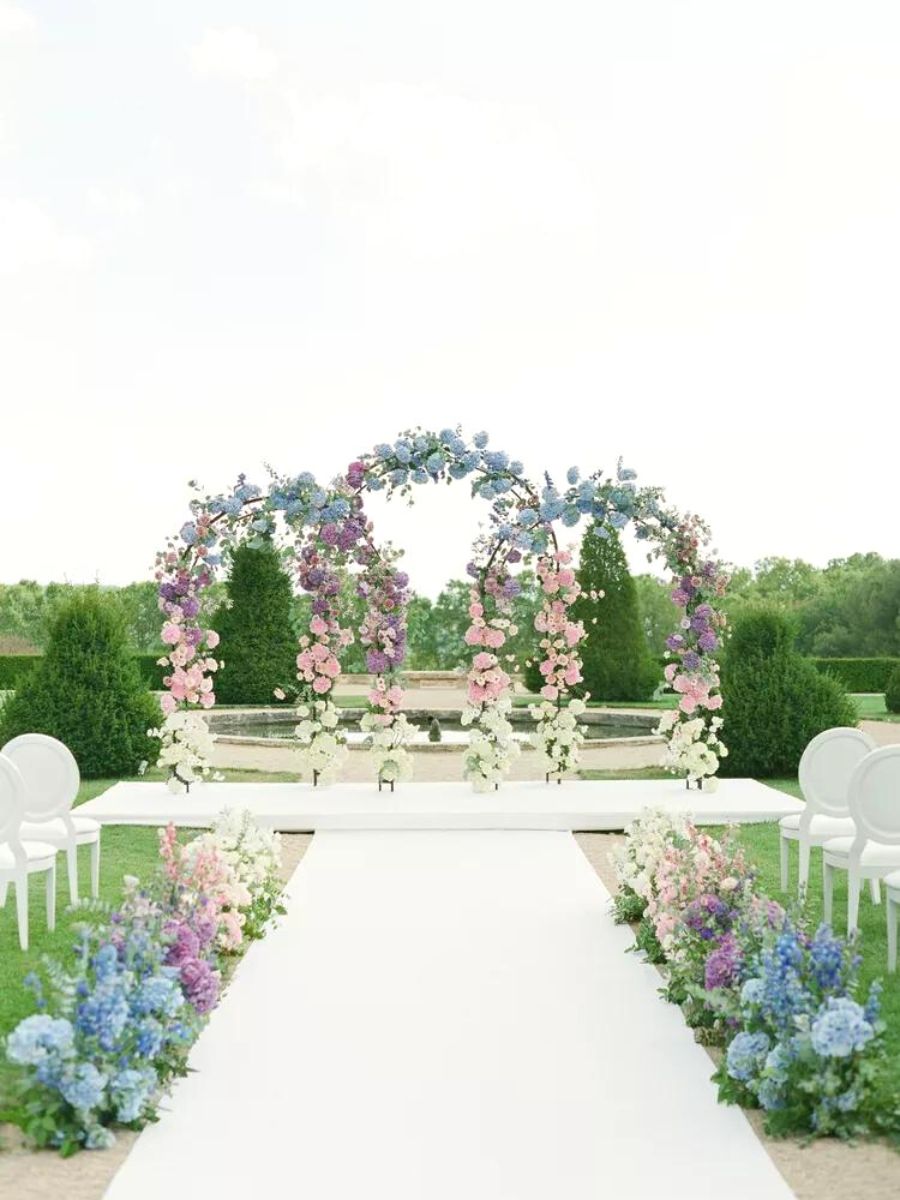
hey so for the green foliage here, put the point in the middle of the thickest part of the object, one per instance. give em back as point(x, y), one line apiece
point(15, 668)
point(258, 645)
point(617, 663)
point(775, 701)
point(87, 691)
point(858, 674)
point(892, 691)
point(659, 616)
point(848, 609)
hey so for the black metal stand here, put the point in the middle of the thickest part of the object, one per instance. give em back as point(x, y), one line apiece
point(390, 783)
point(315, 778)
point(698, 784)
point(558, 778)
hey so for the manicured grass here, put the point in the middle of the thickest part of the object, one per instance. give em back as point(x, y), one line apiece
point(125, 850)
point(872, 708)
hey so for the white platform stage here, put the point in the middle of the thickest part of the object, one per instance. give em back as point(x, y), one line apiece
point(444, 1016)
point(574, 805)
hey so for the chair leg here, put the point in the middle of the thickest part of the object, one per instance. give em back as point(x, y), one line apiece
point(891, 908)
point(22, 908)
point(803, 868)
point(875, 890)
point(95, 867)
point(51, 897)
point(853, 887)
point(72, 863)
point(785, 862)
point(827, 891)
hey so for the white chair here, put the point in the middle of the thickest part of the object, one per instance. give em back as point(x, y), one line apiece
point(826, 767)
point(19, 859)
point(51, 786)
point(874, 851)
point(892, 903)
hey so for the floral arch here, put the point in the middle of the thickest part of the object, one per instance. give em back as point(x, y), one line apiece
point(325, 533)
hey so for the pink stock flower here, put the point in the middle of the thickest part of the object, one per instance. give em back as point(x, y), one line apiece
point(171, 633)
point(321, 685)
point(318, 626)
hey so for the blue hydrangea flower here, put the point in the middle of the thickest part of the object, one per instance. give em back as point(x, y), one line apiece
point(770, 1094)
point(189, 533)
point(398, 478)
point(402, 452)
point(753, 991)
point(434, 462)
point(36, 1038)
point(618, 520)
point(571, 515)
point(247, 491)
point(480, 440)
point(384, 451)
point(516, 467)
point(159, 994)
point(496, 460)
point(83, 1087)
point(232, 505)
point(132, 1090)
point(572, 475)
point(457, 470)
point(745, 1056)
point(528, 517)
point(841, 1029)
point(98, 1137)
point(448, 435)
point(420, 475)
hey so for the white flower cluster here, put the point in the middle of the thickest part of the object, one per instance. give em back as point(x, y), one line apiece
point(558, 735)
point(186, 748)
point(492, 747)
point(636, 861)
point(253, 853)
point(388, 737)
point(323, 749)
point(694, 747)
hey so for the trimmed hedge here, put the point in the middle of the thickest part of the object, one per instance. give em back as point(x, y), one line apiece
point(892, 692)
point(16, 668)
point(859, 674)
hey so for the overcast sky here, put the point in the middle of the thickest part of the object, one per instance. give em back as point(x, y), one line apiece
point(233, 233)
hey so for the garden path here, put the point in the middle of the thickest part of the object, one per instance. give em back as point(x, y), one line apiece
point(447, 1014)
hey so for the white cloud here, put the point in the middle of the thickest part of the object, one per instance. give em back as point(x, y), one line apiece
point(30, 237)
point(15, 21)
point(112, 201)
point(233, 53)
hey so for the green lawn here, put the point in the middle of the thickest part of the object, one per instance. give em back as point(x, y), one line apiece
point(872, 708)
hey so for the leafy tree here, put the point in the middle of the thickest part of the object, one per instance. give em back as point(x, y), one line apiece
point(775, 701)
point(617, 664)
point(258, 642)
point(659, 616)
point(87, 691)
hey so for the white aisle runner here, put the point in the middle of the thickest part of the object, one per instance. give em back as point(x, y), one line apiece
point(447, 1016)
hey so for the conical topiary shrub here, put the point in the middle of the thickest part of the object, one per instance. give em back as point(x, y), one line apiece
point(87, 691)
point(258, 646)
point(616, 662)
point(774, 700)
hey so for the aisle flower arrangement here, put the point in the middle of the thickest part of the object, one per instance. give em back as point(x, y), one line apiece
point(323, 748)
point(782, 1001)
point(115, 1025)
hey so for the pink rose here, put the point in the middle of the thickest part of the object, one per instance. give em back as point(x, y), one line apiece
point(171, 633)
point(318, 626)
point(212, 639)
point(549, 692)
point(321, 685)
point(168, 703)
point(207, 699)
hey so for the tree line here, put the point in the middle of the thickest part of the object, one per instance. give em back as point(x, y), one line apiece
point(850, 608)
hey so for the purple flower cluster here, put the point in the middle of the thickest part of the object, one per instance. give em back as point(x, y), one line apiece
point(723, 966)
